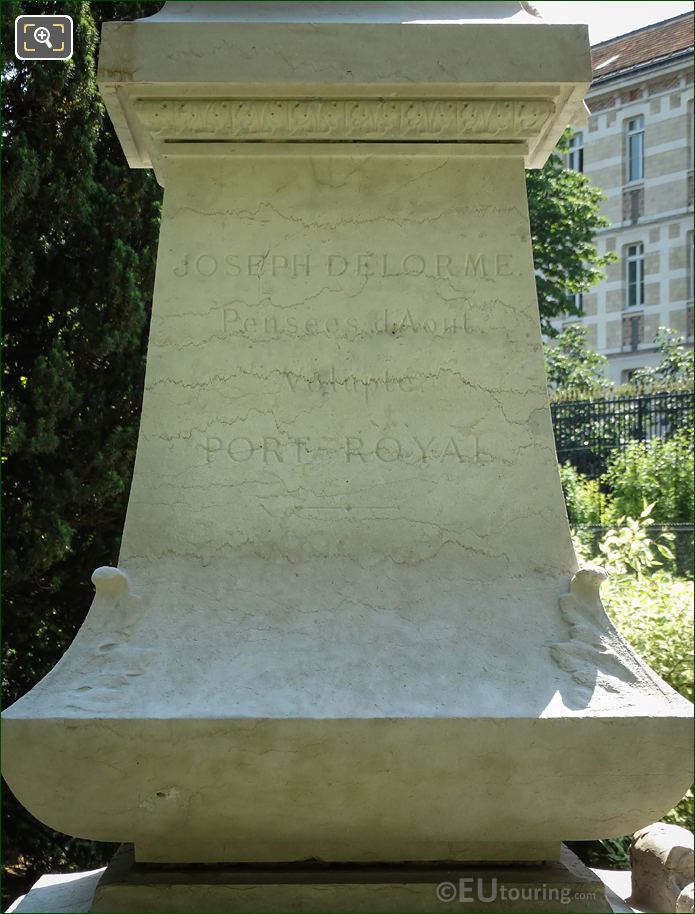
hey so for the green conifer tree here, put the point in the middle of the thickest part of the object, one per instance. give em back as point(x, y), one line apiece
point(78, 267)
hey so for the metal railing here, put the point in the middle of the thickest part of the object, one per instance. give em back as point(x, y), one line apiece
point(588, 431)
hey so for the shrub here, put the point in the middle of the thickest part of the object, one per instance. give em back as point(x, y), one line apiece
point(653, 611)
point(654, 614)
point(659, 471)
point(629, 548)
point(583, 497)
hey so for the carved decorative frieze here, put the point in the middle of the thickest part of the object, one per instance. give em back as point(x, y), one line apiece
point(343, 119)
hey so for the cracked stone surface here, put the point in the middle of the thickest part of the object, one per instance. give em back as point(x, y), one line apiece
point(341, 626)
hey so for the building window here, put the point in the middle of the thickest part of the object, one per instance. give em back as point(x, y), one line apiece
point(575, 156)
point(633, 204)
point(635, 148)
point(575, 303)
point(633, 331)
point(635, 275)
point(691, 271)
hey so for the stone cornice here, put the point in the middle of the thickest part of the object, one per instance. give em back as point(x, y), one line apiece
point(238, 120)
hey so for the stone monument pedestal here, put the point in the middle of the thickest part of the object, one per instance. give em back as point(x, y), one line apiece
point(347, 623)
point(136, 888)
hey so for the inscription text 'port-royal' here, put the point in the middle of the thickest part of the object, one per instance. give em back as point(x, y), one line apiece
point(357, 449)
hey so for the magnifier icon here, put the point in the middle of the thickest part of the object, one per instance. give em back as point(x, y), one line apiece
point(43, 36)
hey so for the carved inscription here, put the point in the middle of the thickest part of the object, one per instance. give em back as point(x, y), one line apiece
point(472, 264)
point(239, 321)
point(287, 119)
point(259, 322)
point(357, 449)
point(331, 382)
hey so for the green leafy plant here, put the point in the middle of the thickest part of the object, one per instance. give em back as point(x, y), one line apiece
point(683, 813)
point(583, 497)
point(677, 361)
point(660, 472)
point(628, 548)
point(571, 365)
point(652, 609)
point(653, 613)
point(565, 214)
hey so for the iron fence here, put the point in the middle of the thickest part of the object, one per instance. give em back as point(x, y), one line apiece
point(588, 431)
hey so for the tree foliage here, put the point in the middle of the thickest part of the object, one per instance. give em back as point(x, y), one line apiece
point(571, 366)
point(677, 362)
point(78, 269)
point(564, 208)
point(576, 372)
point(659, 472)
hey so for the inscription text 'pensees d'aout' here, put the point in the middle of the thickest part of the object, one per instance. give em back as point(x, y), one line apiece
point(242, 321)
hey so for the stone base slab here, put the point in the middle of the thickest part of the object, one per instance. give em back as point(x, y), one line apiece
point(73, 893)
point(127, 887)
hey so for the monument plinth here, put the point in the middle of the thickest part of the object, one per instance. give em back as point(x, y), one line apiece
point(347, 622)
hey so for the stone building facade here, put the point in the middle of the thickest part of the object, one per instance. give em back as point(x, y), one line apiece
point(638, 148)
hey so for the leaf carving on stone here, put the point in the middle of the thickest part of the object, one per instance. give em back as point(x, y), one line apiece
point(349, 119)
point(596, 648)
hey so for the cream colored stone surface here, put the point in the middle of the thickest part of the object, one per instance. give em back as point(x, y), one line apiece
point(652, 263)
point(685, 903)
point(662, 868)
point(618, 887)
point(566, 885)
point(59, 893)
point(668, 196)
point(615, 300)
point(346, 622)
point(589, 303)
point(614, 331)
point(446, 70)
point(651, 327)
point(546, 887)
point(591, 337)
point(678, 290)
point(652, 294)
point(678, 319)
point(678, 259)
